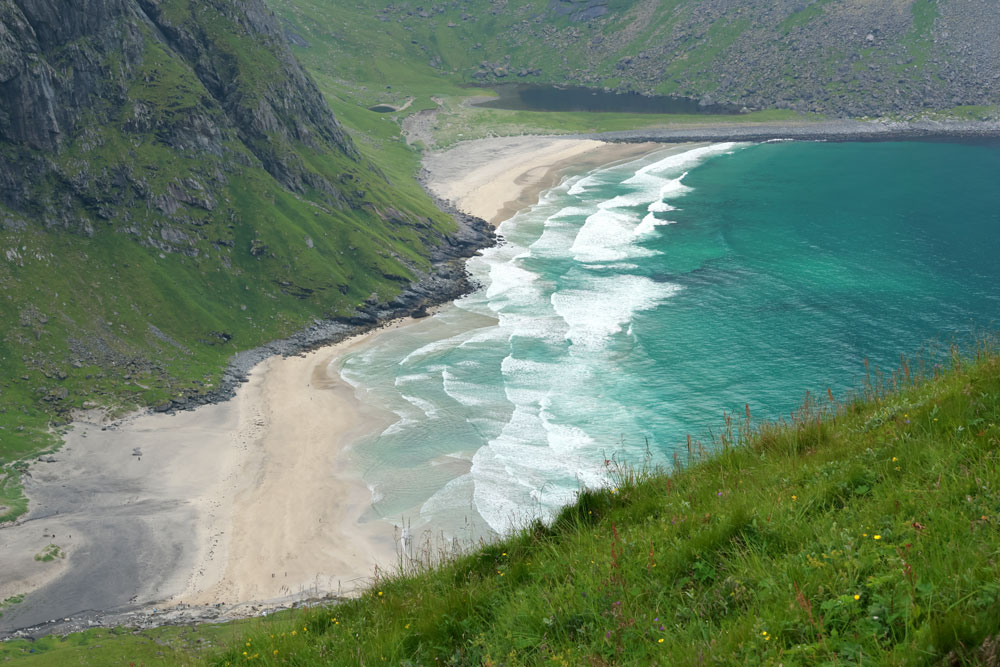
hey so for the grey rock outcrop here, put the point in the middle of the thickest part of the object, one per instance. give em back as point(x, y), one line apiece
point(67, 69)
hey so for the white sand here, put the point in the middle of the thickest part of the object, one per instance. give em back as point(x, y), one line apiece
point(253, 500)
point(494, 178)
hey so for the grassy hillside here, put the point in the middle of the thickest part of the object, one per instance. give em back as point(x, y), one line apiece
point(848, 58)
point(864, 532)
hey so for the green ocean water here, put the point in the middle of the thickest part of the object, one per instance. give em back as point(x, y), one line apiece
point(636, 303)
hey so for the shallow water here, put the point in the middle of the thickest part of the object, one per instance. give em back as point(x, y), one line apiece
point(636, 303)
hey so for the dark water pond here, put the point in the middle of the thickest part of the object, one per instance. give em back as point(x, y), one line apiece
point(532, 97)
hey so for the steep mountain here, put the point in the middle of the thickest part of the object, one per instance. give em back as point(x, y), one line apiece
point(174, 188)
point(844, 58)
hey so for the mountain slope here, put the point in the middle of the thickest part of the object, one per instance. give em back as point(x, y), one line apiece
point(846, 58)
point(174, 188)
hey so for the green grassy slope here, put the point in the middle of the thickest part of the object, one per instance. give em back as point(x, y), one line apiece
point(865, 533)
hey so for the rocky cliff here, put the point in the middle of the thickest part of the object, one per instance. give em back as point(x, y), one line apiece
point(174, 188)
point(68, 70)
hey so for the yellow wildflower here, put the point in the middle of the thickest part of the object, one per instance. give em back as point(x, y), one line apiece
point(857, 597)
point(877, 537)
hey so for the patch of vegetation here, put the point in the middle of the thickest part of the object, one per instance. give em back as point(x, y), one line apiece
point(12, 501)
point(12, 600)
point(459, 122)
point(166, 646)
point(49, 554)
point(966, 112)
point(919, 41)
point(802, 15)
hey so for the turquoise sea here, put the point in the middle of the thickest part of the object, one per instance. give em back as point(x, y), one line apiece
point(636, 303)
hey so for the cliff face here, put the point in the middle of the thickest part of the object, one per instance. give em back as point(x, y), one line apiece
point(174, 188)
point(66, 69)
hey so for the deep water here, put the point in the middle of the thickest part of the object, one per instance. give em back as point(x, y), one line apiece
point(635, 304)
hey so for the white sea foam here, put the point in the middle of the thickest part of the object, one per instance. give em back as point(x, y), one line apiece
point(413, 377)
point(649, 225)
point(507, 276)
point(466, 393)
point(556, 238)
point(681, 161)
point(607, 236)
point(517, 481)
point(660, 207)
point(571, 212)
point(580, 187)
point(429, 409)
point(598, 312)
point(424, 351)
point(536, 427)
point(399, 426)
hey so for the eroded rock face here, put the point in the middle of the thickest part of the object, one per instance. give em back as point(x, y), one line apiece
point(71, 71)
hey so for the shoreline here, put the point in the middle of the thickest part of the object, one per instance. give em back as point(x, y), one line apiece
point(818, 130)
point(242, 504)
point(181, 486)
point(212, 514)
point(198, 576)
point(495, 178)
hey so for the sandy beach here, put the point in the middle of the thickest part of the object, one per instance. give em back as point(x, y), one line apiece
point(252, 500)
point(497, 177)
point(258, 499)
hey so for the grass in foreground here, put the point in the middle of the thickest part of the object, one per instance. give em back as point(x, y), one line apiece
point(102, 647)
point(866, 532)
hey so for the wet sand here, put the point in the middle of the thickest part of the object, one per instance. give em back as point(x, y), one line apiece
point(252, 500)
